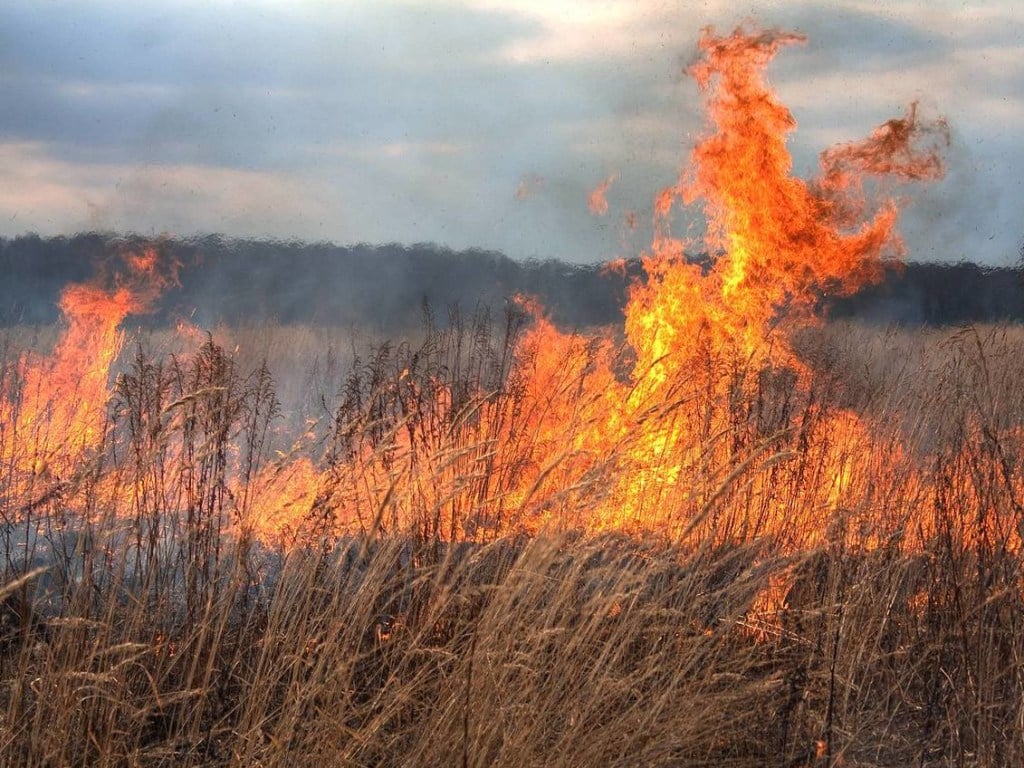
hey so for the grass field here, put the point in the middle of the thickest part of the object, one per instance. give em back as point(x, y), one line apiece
point(720, 533)
point(150, 619)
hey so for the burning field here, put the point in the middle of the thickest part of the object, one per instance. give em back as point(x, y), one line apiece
point(725, 532)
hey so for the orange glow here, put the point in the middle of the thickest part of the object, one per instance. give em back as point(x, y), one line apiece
point(282, 498)
point(655, 442)
point(597, 201)
point(660, 428)
point(57, 414)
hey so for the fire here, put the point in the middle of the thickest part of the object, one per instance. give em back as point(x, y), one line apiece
point(776, 239)
point(282, 496)
point(707, 335)
point(597, 201)
point(657, 433)
point(57, 413)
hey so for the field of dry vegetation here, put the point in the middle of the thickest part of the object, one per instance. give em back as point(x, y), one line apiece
point(148, 620)
point(720, 533)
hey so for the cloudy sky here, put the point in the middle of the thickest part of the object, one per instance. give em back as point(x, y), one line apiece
point(470, 122)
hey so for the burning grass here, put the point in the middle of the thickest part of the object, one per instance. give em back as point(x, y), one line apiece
point(156, 635)
point(730, 537)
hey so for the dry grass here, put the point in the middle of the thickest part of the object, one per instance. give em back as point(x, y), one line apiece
point(152, 638)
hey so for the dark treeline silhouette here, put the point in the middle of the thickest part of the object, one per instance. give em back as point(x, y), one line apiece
point(384, 287)
point(938, 294)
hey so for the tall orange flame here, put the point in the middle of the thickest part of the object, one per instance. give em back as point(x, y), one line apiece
point(700, 336)
point(58, 413)
point(776, 242)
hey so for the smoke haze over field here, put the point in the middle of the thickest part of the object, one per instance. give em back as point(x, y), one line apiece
point(470, 123)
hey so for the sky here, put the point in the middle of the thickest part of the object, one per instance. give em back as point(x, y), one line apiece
point(472, 123)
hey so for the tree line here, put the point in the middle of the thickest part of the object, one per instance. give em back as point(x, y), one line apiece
point(385, 287)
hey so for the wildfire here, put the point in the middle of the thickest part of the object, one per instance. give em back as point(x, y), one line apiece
point(56, 413)
point(578, 432)
point(711, 336)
